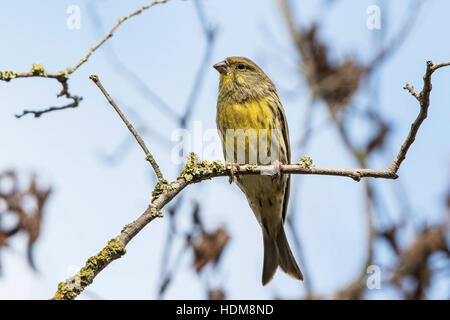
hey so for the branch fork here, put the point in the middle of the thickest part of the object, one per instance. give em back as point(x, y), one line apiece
point(196, 171)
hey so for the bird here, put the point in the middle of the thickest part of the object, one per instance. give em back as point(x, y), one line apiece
point(252, 125)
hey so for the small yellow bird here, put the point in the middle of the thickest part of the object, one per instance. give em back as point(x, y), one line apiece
point(253, 129)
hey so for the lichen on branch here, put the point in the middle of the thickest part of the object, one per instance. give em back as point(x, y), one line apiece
point(73, 286)
point(197, 170)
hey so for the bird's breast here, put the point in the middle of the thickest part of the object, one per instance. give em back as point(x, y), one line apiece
point(250, 132)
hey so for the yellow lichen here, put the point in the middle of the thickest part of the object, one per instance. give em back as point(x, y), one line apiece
point(305, 162)
point(126, 227)
point(65, 73)
point(7, 75)
point(159, 188)
point(196, 169)
point(38, 70)
point(156, 213)
point(73, 286)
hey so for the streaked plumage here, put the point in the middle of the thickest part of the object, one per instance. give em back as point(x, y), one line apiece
point(249, 100)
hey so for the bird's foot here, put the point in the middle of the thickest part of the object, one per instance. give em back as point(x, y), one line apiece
point(233, 168)
point(277, 166)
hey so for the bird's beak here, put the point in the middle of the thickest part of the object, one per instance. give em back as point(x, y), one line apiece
point(221, 67)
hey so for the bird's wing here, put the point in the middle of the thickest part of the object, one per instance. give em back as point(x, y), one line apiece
point(285, 132)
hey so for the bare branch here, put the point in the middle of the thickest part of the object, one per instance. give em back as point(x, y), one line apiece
point(40, 72)
point(424, 99)
point(121, 68)
point(411, 90)
point(62, 76)
point(111, 32)
point(148, 155)
point(64, 92)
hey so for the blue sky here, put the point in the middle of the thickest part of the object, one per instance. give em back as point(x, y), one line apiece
point(94, 199)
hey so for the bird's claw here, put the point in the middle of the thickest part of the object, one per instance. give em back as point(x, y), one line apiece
point(233, 168)
point(277, 166)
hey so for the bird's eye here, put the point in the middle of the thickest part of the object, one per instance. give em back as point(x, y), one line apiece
point(240, 66)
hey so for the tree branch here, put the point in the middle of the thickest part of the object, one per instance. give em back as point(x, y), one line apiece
point(62, 76)
point(424, 100)
point(148, 155)
point(64, 92)
point(124, 71)
point(196, 171)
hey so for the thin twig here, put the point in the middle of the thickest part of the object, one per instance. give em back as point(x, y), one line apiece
point(125, 72)
point(111, 32)
point(62, 76)
point(38, 113)
point(70, 70)
point(148, 155)
point(64, 92)
point(424, 99)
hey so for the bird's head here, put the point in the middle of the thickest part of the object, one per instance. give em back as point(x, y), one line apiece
point(241, 79)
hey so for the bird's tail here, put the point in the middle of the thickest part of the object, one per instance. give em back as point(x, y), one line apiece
point(277, 253)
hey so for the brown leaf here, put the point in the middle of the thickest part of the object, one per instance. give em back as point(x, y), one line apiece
point(335, 83)
point(208, 248)
point(414, 260)
point(28, 219)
